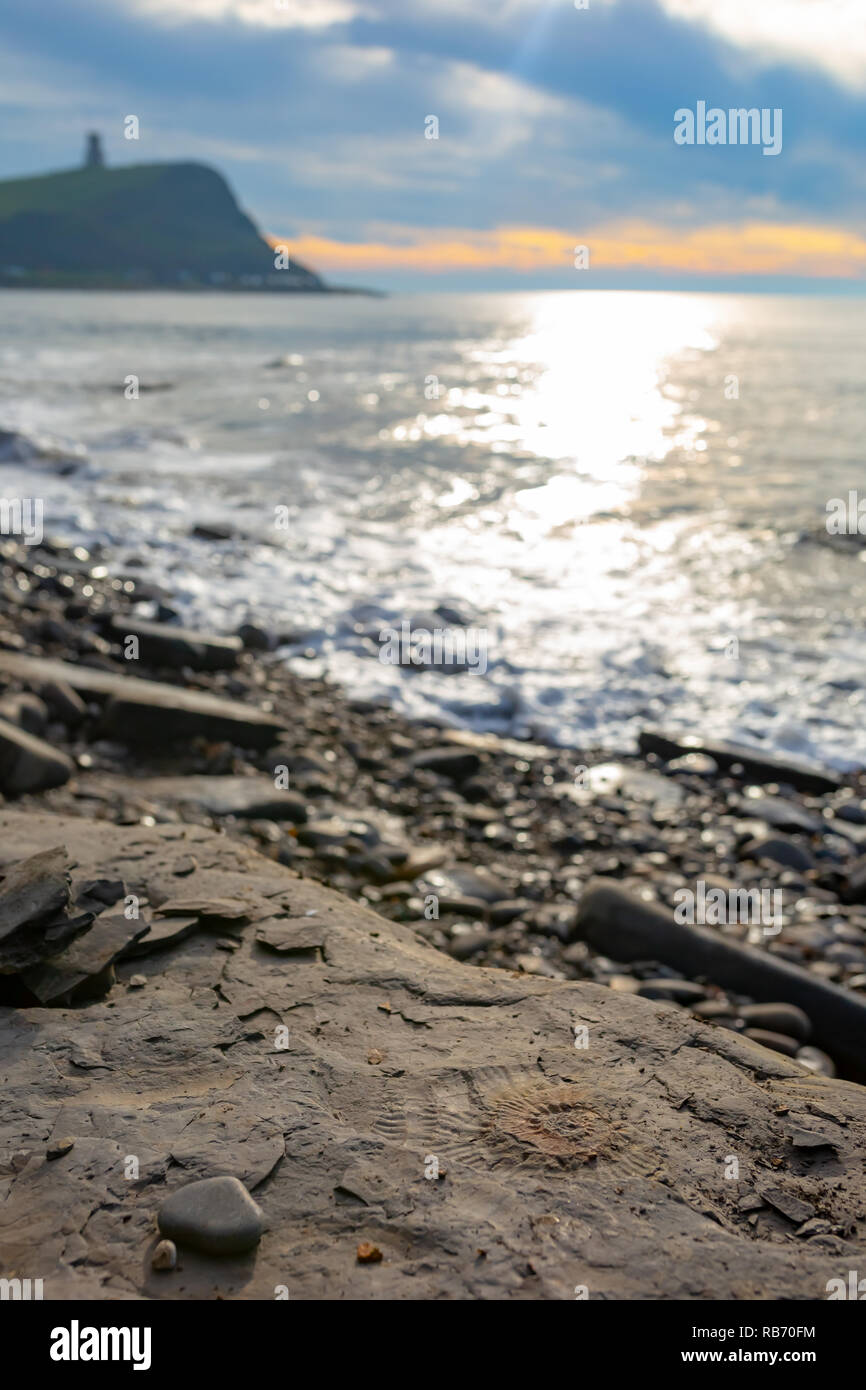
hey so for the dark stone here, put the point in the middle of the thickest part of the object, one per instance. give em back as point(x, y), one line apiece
point(505, 911)
point(211, 533)
point(787, 1204)
point(59, 1149)
point(161, 933)
point(779, 851)
point(626, 929)
point(28, 764)
point(64, 704)
point(680, 991)
point(854, 887)
point(81, 970)
point(26, 710)
point(456, 763)
point(162, 645)
point(140, 711)
point(207, 909)
point(778, 1042)
point(34, 891)
point(292, 936)
point(216, 1215)
point(467, 944)
point(714, 1009)
point(778, 1018)
point(255, 639)
point(756, 765)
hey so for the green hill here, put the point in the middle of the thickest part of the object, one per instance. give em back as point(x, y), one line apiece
point(135, 225)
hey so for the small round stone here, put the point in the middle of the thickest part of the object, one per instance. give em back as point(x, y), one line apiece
point(164, 1256)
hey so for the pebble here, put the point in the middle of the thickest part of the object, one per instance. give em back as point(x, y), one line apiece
point(455, 763)
point(816, 1060)
point(137, 981)
point(623, 984)
point(714, 1009)
point(507, 910)
point(215, 1215)
point(680, 991)
point(164, 1256)
point(778, 1018)
point(468, 943)
point(60, 1148)
point(368, 1254)
point(778, 1042)
point(780, 851)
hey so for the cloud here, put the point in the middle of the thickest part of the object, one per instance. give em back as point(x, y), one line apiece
point(723, 249)
point(268, 14)
point(825, 34)
point(549, 116)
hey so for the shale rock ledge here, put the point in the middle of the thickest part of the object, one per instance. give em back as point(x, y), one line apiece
point(368, 1090)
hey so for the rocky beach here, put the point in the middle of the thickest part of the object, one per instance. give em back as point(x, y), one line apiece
point(475, 948)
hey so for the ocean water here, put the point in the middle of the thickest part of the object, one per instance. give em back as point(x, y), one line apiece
point(618, 493)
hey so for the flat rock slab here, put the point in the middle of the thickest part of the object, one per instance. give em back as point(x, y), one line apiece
point(326, 1083)
point(161, 932)
point(86, 961)
point(162, 645)
point(292, 936)
point(757, 766)
point(149, 711)
point(34, 890)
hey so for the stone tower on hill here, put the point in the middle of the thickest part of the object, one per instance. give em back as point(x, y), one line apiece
point(93, 156)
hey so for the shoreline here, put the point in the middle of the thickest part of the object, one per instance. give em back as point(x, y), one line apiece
point(486, 847)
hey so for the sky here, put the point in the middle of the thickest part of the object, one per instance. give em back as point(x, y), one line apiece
point(555, 130)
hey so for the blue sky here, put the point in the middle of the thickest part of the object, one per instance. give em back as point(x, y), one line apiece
point(555, 129)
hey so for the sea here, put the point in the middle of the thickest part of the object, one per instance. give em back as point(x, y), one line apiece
point(622, 497)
